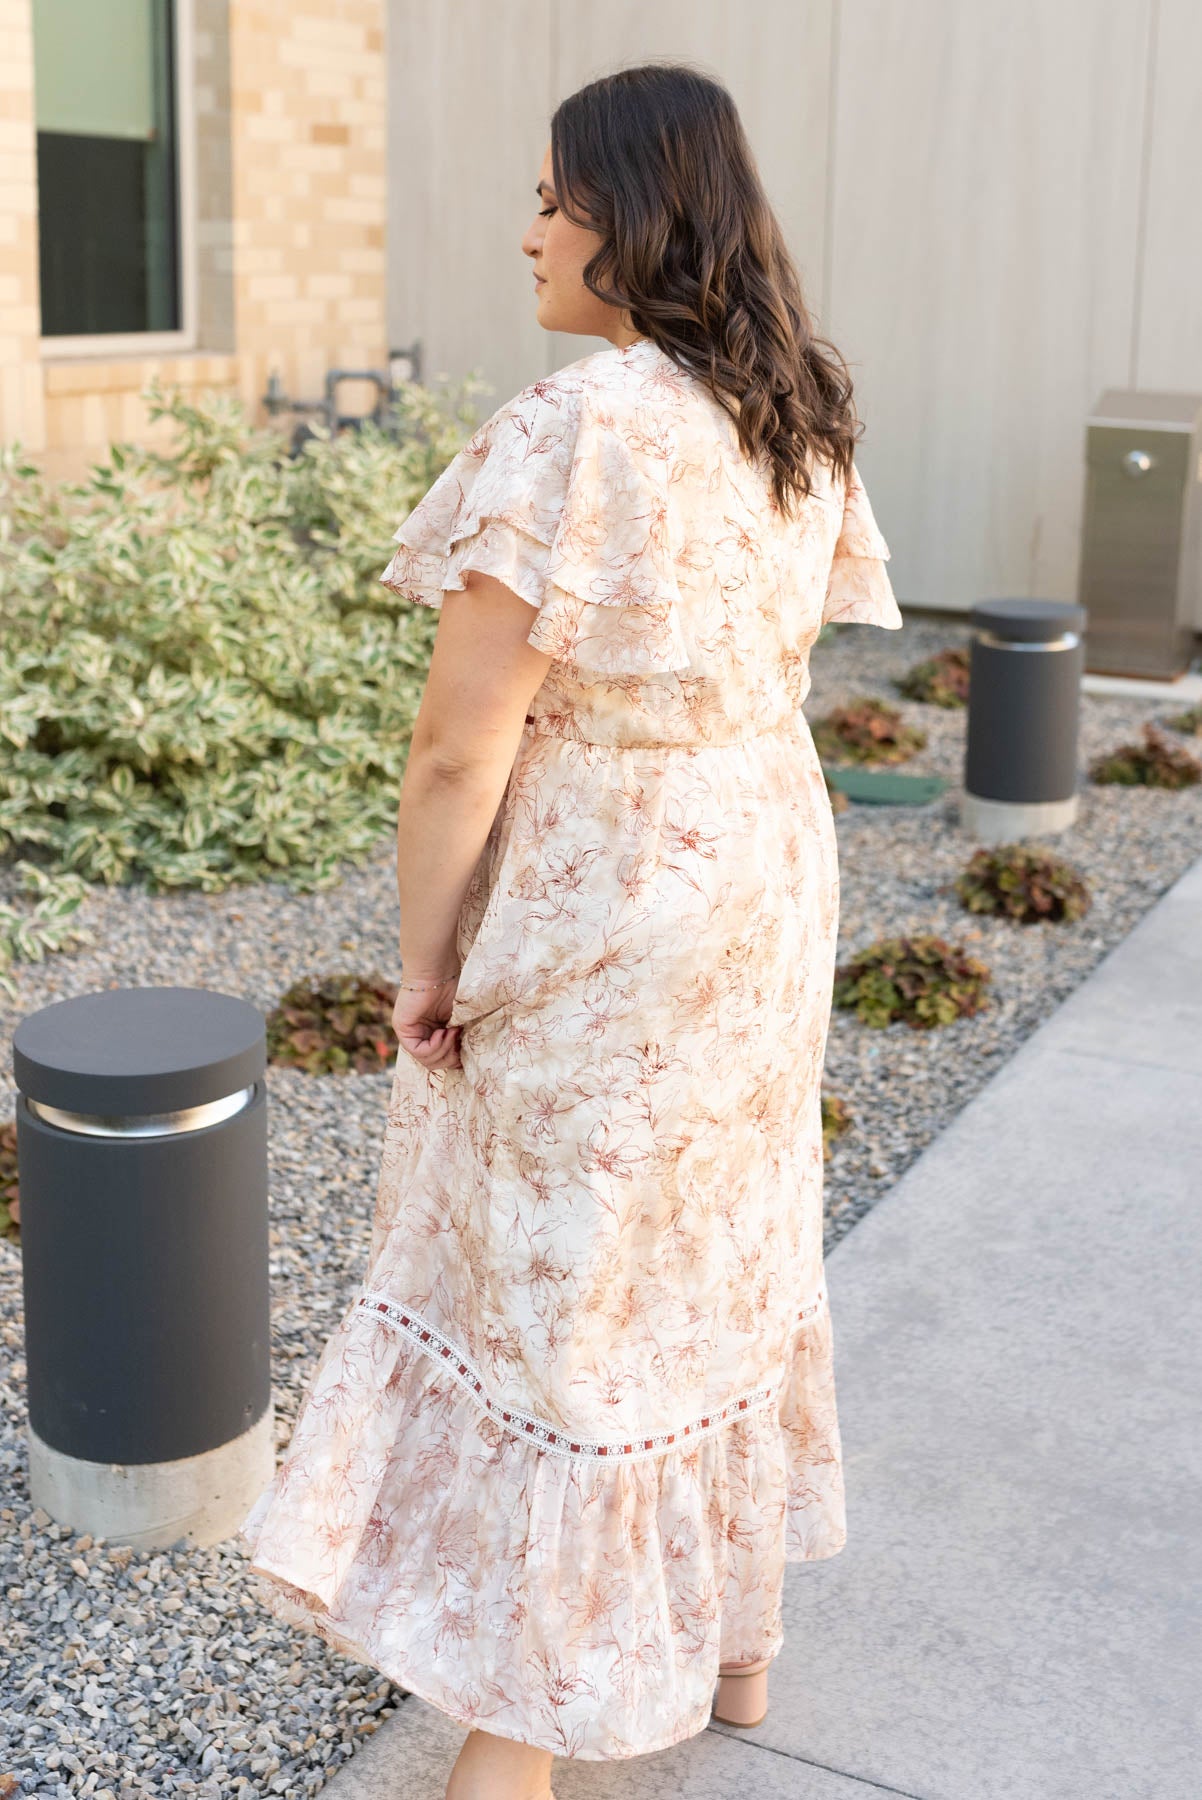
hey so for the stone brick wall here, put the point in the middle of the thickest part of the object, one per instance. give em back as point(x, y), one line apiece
point(289, 102)
point(309, 191)
point(214, 174)
point(21, 403)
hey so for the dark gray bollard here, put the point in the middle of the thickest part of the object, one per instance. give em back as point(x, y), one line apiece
point(1024, 700)
point(142, 1145)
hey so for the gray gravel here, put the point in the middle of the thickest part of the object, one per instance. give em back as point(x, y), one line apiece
point(130, 1673)
point(1130, 844)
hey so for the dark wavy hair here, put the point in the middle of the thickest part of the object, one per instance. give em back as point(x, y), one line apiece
point(656, 160)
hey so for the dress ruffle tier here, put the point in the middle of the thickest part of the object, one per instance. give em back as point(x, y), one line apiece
point(599, 1592)
point(520, 502)
point(601, 576)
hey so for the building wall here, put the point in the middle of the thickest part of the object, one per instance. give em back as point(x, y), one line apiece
point(307, 95)
point(213, 110)
point(994, 212)
point(289, 110)
point(22, 409)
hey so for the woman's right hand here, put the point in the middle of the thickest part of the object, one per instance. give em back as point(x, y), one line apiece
point(419, 1019)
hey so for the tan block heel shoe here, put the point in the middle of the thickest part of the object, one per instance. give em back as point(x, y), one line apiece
point(743, 1700)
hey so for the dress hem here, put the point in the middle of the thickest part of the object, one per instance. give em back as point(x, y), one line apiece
point(344, 1645)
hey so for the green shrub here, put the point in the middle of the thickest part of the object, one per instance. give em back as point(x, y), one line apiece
point(1024, 884)
point(923, 981)
point(1189, 721)
point(10, 1205)
point(202, 680)
point(28, 934)
point(866, 731)
point(329, 1024)
point(1154, 763)
point(836, 1122)
point(942, 680)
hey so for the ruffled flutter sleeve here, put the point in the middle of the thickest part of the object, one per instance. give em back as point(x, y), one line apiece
point(859, 591)
point(552, 498)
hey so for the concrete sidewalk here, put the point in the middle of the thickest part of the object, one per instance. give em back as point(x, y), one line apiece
point(1018, 1612)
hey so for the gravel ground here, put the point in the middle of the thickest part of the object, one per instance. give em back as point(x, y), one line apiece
point(130, 1673)
point(1130, 844)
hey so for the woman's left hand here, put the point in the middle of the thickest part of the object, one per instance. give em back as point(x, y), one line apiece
point(419, 1020)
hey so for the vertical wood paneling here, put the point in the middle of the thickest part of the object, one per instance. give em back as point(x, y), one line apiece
point(984, 243)
point(1169, 342)
point(469, 97)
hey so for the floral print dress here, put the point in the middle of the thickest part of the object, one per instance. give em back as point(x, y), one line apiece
point(580, 1413)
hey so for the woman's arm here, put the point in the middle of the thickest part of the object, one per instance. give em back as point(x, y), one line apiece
point(483, 676)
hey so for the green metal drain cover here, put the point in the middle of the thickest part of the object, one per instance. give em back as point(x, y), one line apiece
point(881, 787)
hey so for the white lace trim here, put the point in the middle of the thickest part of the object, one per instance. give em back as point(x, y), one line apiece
point(529, 1427)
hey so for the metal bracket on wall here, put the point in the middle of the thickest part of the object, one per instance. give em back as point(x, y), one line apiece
point(403, 365)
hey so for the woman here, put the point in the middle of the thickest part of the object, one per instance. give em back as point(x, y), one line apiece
point(581, 1413)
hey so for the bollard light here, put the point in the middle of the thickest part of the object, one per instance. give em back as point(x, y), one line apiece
point(142, 1147)
point(1026, 659)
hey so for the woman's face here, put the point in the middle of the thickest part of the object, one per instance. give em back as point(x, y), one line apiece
point(558, 251)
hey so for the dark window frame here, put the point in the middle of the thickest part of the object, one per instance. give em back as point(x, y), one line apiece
point(178, 170)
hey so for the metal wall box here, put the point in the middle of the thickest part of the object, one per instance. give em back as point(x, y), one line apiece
point(1141, 553)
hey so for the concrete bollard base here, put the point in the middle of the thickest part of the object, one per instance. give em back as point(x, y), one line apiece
point(1008, 821)
point(193, 1502)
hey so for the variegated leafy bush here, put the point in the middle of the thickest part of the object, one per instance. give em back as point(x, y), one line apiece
point(202, 680)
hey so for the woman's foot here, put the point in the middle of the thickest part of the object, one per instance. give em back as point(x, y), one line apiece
point(742, 1693)
point(499, 1768)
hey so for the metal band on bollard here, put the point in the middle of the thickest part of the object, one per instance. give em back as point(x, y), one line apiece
point(188, 1118)
point(1068, 641)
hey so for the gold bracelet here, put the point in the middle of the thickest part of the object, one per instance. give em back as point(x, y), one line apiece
point(430, 984)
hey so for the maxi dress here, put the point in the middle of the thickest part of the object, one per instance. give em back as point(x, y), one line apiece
point(580, 1412)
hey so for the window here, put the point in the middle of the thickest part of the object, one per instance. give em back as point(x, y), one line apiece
point(109, 188)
